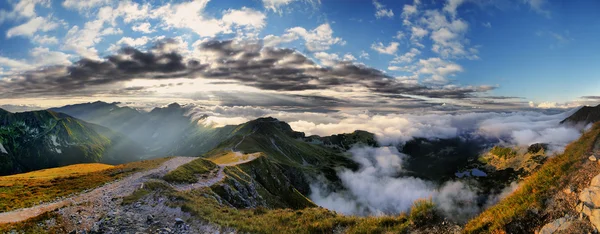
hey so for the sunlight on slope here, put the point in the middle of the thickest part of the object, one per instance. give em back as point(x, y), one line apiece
point(231, 157)
point(52, 173)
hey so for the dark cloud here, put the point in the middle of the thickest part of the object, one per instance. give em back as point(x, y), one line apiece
point(249, 64)
point(591, 97)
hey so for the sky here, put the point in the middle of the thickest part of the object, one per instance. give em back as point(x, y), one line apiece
point(302, 55)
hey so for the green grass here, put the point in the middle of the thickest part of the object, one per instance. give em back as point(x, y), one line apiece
point(189, 172)
point(503, 152)
point(535, 189)
point(29, 189)
point(149, 187)
point(309, 220)
point(264, 177)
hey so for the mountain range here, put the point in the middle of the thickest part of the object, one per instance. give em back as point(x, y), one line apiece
point(111, 133)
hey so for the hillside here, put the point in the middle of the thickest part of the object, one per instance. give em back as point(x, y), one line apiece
point(163, 131)
point(585, 115)
point(549, 194)
point(44, 139)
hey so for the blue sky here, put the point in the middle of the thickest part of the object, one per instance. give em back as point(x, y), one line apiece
point(530, 53)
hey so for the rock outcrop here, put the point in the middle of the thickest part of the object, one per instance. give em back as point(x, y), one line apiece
point(557, 225)
point(589, 202)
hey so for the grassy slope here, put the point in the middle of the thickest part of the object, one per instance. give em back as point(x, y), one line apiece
point(189, 172)
point(25, 190)
point(202, 204)
point(535, 189)
point(266, 179)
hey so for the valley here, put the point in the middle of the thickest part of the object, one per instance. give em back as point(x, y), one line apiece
point(263, 171)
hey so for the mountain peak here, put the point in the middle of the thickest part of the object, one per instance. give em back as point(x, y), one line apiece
point(585, 115)
point(174, 105)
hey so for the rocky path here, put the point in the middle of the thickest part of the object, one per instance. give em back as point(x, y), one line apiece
point(101, 211)
point(211, 179)
point(99, 197)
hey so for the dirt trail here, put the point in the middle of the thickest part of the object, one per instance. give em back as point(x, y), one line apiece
point(211, 179)
point(84, 209)
point(119, 188)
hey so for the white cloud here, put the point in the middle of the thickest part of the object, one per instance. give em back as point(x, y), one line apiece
point(191, 15)
point(417, 33)
point(330, 59)
point(451, 6)
point(389, 49)
point(373, 190)
point(438, 69)
point(14, 64)
point(408, 11)
point(82, 40)
point(45, 57)
point(319, 39)
point(31, 27)
point(399, 35)
point(538, 6)
point(381, 11)
point(515, 128)
point(143, 27)
point(348, 57)
point(364, 55)
point(408, 57)
point(84, 5)
point(275, 5)
point(487, 24)
point(23, 9)
point(44, 39)
point(140, 41)
point(448, 36)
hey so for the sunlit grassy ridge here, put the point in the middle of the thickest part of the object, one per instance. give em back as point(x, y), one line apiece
point(534, 190)
point(228, 157)
point(51, 173)
point(25, 190)
point(188, 173)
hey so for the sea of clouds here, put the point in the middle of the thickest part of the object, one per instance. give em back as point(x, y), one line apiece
point(376, 188)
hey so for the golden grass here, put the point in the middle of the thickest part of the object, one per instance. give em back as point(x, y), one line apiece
point(51, 173)
point(36, 225)
point(29, 189)
point(230, 157)
point(536, 188)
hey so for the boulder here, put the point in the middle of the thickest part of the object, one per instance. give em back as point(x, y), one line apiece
point(179, 221)
point(592, 158)
point(589, 205)
point(590, 197)
point(595, 181)
point(556, 225)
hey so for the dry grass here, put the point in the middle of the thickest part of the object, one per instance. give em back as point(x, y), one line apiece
point(51, 173)
point(32, 188)
point(229, 157)
point(515, 212)
point(49, 222)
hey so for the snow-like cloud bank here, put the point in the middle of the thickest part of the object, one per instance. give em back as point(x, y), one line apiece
point(376, 189)
point(514, 128)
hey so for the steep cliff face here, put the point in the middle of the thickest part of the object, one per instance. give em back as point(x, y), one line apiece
point(43, 139)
